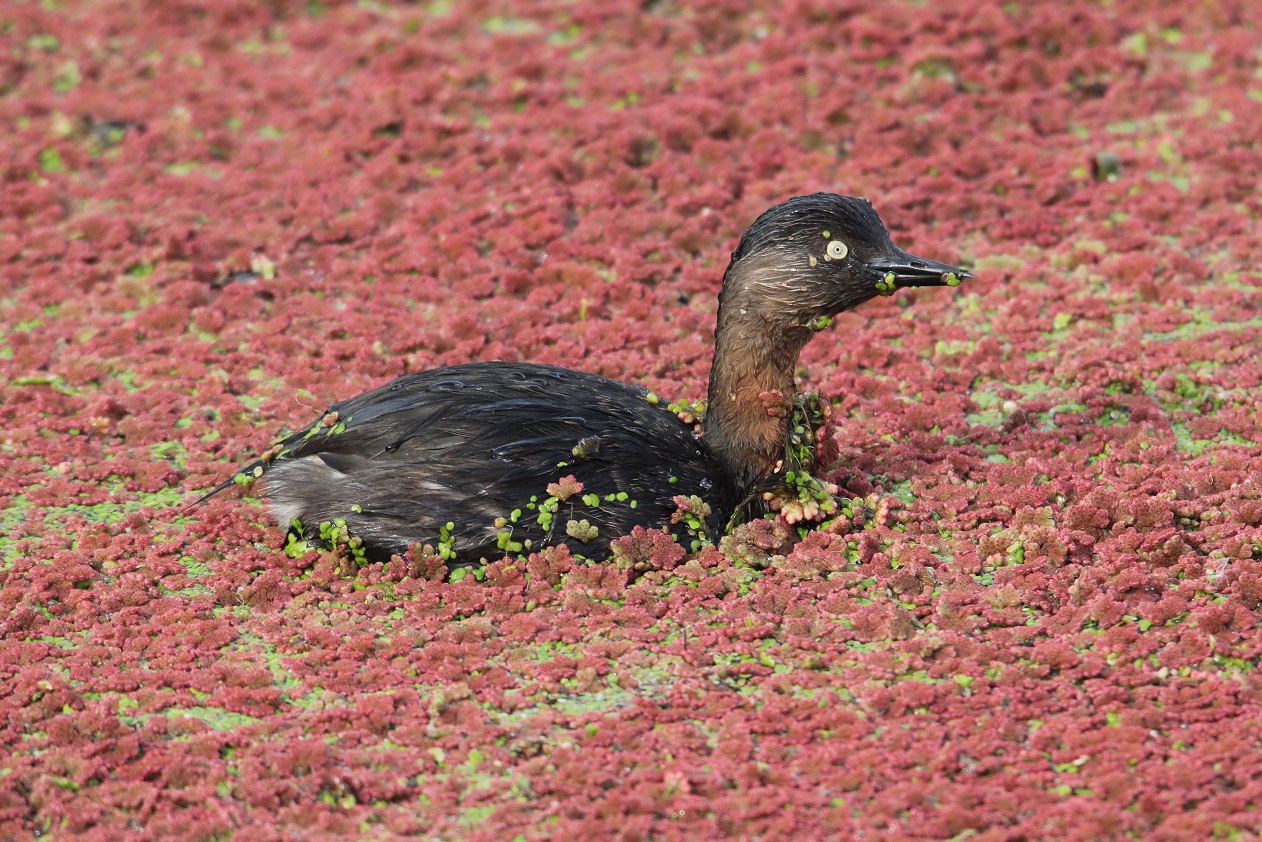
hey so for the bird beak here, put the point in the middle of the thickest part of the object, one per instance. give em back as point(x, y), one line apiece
point(900, 270)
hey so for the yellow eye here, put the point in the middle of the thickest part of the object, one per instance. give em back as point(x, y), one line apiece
point(837, 250)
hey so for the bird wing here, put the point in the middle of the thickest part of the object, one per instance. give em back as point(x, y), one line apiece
point(470, 444)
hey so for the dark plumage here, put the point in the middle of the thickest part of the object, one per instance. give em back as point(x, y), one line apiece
point(477, 445)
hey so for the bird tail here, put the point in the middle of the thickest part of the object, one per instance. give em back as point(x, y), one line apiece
point(244, 475)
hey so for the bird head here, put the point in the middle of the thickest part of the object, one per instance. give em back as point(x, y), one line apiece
point(809, 258)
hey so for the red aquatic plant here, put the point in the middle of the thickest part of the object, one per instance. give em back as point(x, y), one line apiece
point(1036, 616)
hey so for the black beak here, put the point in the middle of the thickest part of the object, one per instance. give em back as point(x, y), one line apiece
point(901, 269)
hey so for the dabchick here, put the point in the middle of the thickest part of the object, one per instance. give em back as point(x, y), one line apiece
point(495, 458)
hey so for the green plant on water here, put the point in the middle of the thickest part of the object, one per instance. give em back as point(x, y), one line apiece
point(581, 530)
point(446, 542)
point(248, 477)
point(691, 513)
point(547, 509)
point(333, 535)
point(504, 534)
point(690, 412)
point(478, 572)
point(295, 545)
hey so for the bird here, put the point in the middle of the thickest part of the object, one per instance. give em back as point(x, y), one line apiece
point(487, 459)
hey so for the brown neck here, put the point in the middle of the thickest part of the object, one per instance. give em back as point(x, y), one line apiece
point(751, 387)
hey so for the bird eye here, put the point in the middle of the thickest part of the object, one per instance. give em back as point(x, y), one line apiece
point(837, 250)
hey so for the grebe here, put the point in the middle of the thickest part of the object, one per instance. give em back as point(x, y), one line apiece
point(495, 458)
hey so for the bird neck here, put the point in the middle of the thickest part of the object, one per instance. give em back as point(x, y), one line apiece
point(752, 387)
